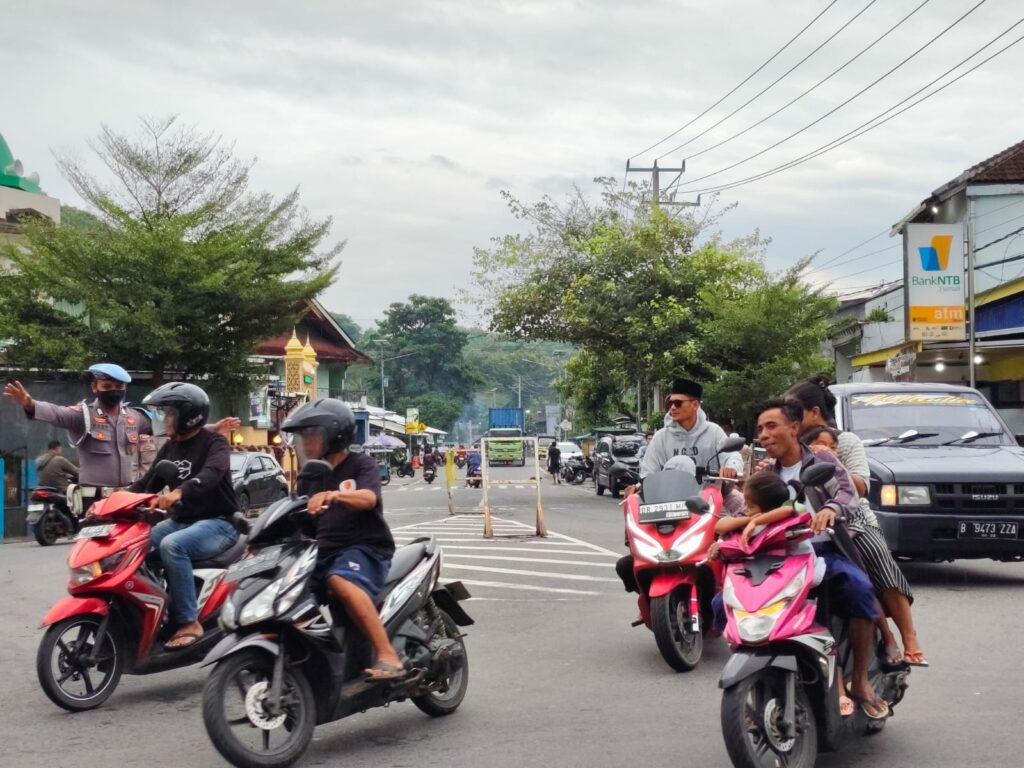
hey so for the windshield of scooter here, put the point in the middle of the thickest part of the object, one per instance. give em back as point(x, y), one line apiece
point(669, 485)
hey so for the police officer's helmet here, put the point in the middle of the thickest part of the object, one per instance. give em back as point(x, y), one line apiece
point(187, 404)
point(331, 419)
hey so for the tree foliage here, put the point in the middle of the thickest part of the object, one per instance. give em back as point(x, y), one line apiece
point(176, 268)
point(646, 296)
point(423, 350)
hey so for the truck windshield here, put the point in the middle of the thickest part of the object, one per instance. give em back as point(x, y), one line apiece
point(949, 415)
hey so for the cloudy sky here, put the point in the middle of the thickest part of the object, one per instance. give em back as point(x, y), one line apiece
point(404, 120)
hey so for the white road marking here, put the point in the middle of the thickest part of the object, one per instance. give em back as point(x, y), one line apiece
point(545, 574)
point(459, 555)
point(507, 585)
point(527, 548)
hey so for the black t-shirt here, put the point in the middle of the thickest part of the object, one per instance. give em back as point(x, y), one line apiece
point(204, 476)
point(554, 457)
point(340, 527)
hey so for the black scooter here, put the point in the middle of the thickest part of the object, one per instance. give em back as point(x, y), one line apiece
point(50, 515)
point(405, 469)
point(292, 660)
point(429, 473)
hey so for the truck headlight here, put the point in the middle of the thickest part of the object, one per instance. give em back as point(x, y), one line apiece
point(913, 495)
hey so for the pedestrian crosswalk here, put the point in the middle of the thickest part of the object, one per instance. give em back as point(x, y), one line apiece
point(516, 562)
point(459, 488)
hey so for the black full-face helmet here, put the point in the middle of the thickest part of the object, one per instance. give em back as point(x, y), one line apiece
point(322, 427)
point(181, 407)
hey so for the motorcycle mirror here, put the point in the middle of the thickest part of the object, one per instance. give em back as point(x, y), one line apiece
point(697, 505)
point(315, 469)
point(163, 474)
point(818, 474)
point(731, 444)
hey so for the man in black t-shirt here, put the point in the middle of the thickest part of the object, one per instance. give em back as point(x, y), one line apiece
point(555, 462)
point(201, 500)
point(355, 543)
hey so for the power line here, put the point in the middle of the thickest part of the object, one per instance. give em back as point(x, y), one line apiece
point(866, 126)
point(768, 87)
point(738, 86)
point(814, 87)
point(840, 106)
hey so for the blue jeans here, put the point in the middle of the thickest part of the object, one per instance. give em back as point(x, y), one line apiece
point(182, 543)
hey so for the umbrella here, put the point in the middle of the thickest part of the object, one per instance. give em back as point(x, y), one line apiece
point(385, 441)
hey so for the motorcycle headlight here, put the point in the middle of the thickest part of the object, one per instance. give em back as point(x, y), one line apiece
point(260, 607)
point(86, 573)
point(668, 556)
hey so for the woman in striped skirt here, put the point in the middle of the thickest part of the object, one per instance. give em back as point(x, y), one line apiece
point(890, 583)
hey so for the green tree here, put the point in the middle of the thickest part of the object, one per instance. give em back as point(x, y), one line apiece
point(176, 268)
point(641, 293)
point(423, 349)
point(350, 326)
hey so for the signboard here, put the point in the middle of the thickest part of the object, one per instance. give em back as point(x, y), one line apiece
point(412, 420)
point(552, 415)
point(900, 366)
point(259, 408)
point(566, 425)
point(933, 262)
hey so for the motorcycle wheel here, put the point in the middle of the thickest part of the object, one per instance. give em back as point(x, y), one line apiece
point(680, 645)
point(244, 737)
point(579, 477)
point(438, 703)
point(68, 680)
point(385, 480)
point(751, 710)
point(48, 529)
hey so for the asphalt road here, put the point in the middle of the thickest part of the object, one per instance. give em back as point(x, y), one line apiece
point(558, 676)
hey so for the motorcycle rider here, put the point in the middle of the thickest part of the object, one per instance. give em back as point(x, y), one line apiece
point(53, 470)
point(429, 462)
point(687, 432)
point(778, 429)
point(200, 527)
point(354, 541)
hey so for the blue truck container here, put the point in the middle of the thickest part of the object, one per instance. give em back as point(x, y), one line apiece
point(506, 418)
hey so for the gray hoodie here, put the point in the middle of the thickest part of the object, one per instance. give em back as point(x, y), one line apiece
point(700, 444)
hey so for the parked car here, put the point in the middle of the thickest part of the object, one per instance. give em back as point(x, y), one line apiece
point(258, 479)
point(615, 463)
point(570, 450)
point(946, 472)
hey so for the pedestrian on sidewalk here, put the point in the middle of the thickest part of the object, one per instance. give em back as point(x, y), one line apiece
point(555, 463)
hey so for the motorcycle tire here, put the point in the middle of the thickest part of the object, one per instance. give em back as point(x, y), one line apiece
point(48, 529)
point(435, 703)
point(111, 664)
point(579, 477)
point(679, 644)
point(385, 480)
point(300, 713)
point(747, 711)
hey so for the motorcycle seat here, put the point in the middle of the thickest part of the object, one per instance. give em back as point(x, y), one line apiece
point(406, 558)
point(225, 558)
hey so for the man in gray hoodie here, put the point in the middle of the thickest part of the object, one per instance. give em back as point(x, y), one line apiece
point(687, 432)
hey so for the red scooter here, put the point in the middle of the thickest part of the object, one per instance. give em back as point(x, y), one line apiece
point(670, 523)
point(115, 619)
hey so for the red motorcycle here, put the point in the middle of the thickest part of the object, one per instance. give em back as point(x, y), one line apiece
point(115, 618)
point(670, 523)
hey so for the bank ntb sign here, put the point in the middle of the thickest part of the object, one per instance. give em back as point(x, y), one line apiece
point(934, 266)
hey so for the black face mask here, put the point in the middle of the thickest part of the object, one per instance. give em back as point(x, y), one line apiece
point(111, 397)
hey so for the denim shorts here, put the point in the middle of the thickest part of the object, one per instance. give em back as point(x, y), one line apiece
point(361, 566)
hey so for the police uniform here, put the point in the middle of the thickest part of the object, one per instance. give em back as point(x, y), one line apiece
point(108, 446)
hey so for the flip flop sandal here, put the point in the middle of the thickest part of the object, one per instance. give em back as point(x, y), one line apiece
point(383, 671)
point(875, 702)
point(921, 660)
point(890, 656)
point(852, 707)
point(191, 636)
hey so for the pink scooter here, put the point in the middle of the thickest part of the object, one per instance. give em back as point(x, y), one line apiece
point(780, 701)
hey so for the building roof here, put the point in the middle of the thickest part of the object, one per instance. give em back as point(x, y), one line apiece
point(1006, 167)
point(325, 336)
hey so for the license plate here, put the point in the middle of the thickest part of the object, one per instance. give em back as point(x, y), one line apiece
point(261, 561)
point(986, 529)
point(666, 511)
point(36, 507)
point(95, 531)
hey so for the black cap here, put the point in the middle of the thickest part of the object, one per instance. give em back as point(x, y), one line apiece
point(687, 387)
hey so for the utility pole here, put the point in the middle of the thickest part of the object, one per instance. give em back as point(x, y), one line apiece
point(656, 172)
point(519, 387)
point(380, 348)
point(971, 346)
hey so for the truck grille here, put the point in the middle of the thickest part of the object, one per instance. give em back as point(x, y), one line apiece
point(984, 498)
